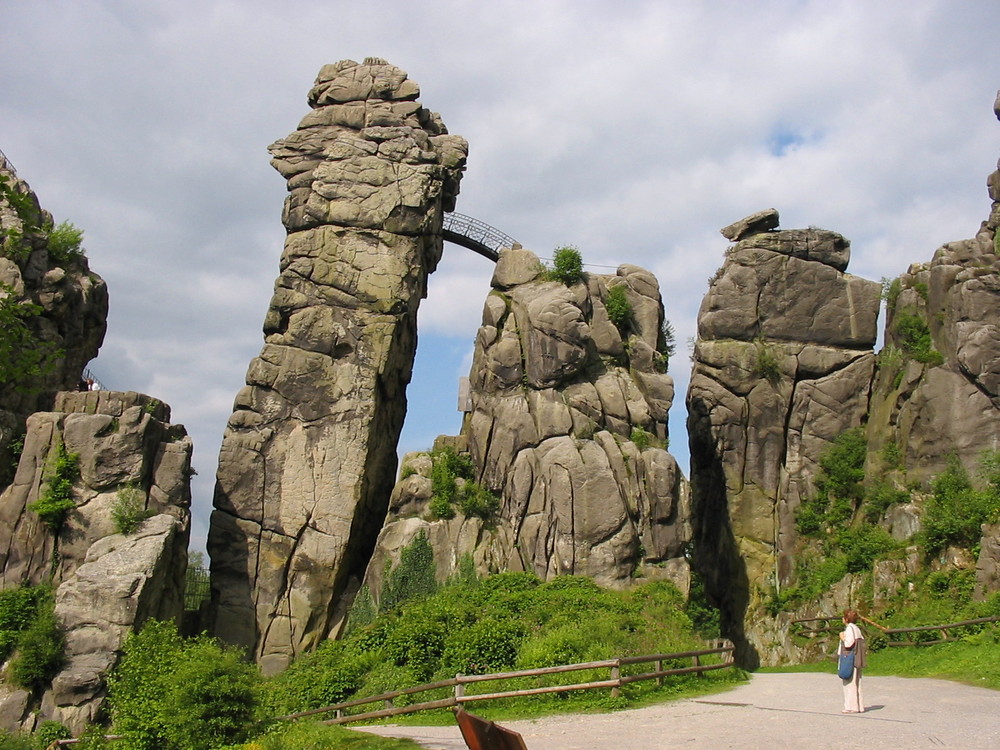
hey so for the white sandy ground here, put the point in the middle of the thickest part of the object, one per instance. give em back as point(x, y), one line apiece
point(800, 710)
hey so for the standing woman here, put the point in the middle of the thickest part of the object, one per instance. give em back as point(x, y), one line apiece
point(853, 640)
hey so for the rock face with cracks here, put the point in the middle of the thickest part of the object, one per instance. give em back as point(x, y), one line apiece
point(782, 366)
point(308, 457)
point(63, 304)
point(106, 583)
point(568, 427)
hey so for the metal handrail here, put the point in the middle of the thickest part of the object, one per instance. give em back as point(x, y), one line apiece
point(6, 163)
point(476, 235)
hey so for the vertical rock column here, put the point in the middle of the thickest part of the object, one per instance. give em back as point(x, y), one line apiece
point(308, 458)
point(782, 366)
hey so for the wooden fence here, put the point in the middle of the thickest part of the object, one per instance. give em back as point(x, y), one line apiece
point(459, 697)
point(910, 636)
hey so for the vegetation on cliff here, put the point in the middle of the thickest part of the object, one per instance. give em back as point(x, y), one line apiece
point(843, 526)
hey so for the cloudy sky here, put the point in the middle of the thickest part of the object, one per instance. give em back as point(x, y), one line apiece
point(631, 129)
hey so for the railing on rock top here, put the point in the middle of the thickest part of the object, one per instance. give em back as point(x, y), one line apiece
point(475, 235)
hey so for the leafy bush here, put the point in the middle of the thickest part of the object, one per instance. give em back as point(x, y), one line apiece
point(24, 356)
point(956, 510)
point(40, 650)
point(18, 609)
point(447, 469)
point(619, 308)
point(176, 694)
point(862, 544)
point(65, 242)
point(915, 337)
point(476, 500)
point(567, 265)
point(49, 731)
point(413, 577)
point(57, 499)
point(766, 364)
point(129, 509)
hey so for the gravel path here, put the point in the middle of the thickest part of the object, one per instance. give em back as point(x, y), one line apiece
point(800, 710)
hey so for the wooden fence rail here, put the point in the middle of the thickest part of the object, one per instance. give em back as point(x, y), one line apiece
point(824, 628)
point(457, 684)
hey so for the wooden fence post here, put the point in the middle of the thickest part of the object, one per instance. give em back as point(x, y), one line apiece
point(459, 687)
point(616, 674)
point(659, 668)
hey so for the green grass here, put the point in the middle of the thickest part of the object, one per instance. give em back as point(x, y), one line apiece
point(308, 735)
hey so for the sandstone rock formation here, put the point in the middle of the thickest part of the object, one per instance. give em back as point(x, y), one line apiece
point(123, 440)
point(938, 391)
point(568, 427)
point(123, 581)
point(106, 584)
point(782, 366)
point(71, 314)
point(308, 458)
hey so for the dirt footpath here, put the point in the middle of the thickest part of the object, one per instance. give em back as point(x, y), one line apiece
point(772, 711)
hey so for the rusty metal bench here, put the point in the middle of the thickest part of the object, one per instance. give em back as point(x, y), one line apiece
point(480, 734)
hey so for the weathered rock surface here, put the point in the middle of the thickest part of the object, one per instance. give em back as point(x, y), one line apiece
point(943, 400)
point(782, 366)
point(308, 458)
point(106, 584)
point(72, 302)
point(123, 581)
point(568, 427)
point(123, 440)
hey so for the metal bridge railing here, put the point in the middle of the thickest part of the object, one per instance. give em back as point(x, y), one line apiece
point(478, 232)
point(6, 164)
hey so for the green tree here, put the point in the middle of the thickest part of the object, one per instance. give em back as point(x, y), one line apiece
point(567, 265)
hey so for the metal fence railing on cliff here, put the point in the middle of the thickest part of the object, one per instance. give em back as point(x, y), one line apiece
point(6, 164)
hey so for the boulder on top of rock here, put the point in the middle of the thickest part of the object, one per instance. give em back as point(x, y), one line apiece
point(762, 221)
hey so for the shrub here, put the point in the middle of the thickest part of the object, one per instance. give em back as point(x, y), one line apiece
point(861, 545)
point(413, 577)
point(766, 364)
point(619, 308)
point(40, 650)
point(65, 243)
point(915, 338)
point(956, 510)
point(476, 500)
point(49, 731)
point(177, 694)
point(24, 356)
point(129, 509)
point(57, 499)
point(18, 609)
point(567, 265)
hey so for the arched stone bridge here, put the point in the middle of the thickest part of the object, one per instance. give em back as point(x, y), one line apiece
point(475, 235)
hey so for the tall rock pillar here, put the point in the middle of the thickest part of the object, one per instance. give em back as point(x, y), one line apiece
point(308, 458)
point(782, 366)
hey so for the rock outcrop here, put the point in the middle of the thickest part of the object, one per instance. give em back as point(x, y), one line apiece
point(62, 308)
point(123, 443)
point(124, 458)
point(938, 391)
point(308, 458)
point(123, 581)
point(568, 427)
point(782, 366)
